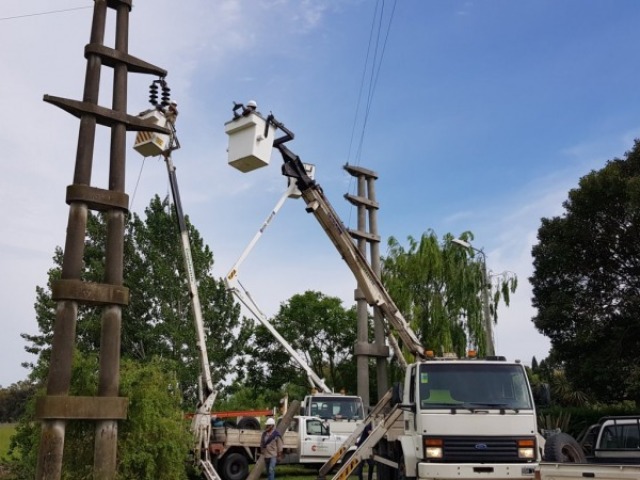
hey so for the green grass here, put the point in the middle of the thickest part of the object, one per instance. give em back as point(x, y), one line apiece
point(293, 472)
point(6, 431)
point(299, 472)
point(283, 472)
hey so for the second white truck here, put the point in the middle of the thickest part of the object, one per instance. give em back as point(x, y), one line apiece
point(308, 441)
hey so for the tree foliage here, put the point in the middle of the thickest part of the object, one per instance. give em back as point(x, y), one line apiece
point(13, 400)
point(586, 281)
point(438, 287)
point(158, 351)
point(153, 441)
point(158, 322)
point(321, 331)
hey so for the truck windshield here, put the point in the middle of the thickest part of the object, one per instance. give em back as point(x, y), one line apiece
point(336, 407)
point(473, 385)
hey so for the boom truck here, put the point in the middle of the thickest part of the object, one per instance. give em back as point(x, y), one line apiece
point(154, 144)
point(308, 439)
point(453, 418)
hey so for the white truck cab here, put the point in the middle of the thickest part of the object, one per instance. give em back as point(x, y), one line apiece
point(468, 419)
point(614, 439)
point(342, 413)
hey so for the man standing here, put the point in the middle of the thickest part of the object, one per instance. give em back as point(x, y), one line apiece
point(271, 447)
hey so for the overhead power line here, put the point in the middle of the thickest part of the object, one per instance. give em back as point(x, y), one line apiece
point(45, 13)
point(373, 63)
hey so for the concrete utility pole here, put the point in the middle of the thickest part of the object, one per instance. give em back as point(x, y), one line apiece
point(58, 407)
point(365, 201)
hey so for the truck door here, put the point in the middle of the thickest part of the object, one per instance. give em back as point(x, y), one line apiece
point(316, 442)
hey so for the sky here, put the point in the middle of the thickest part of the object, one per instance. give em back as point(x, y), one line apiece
point(477, 116)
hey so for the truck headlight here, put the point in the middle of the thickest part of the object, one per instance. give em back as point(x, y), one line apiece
point(527, 449)
point(432, 448)
point(433, 452)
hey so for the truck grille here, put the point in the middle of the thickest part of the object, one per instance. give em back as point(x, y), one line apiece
point(481, 450)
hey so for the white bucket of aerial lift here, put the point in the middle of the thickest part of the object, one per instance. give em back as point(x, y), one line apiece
point(249, 149)
point(152, 144)
point(311, 172)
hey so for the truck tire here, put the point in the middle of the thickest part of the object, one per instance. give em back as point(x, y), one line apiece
point(249, 423)
point(235, 466)
point(563, 448)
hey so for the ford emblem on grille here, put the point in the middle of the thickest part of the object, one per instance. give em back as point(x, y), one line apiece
point(481, 446)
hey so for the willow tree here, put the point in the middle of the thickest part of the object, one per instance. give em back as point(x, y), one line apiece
point(439, 288)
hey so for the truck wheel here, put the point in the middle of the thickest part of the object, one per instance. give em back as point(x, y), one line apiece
point(563, 448)
point(235, 467)
point(249, 423)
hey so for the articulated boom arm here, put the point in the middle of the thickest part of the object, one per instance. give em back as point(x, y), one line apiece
point(371, 286)
point(233, 285)
point(191, 279)
point(247, 301)
point(201, 423)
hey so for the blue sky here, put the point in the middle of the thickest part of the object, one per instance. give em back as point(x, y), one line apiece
point(483, 115)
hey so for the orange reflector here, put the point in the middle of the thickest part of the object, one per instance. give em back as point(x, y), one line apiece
point(526, 443)
point(429, 353)
point(472, 354)
point(433, 442)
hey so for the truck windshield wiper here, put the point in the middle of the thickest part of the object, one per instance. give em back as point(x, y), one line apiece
point(501, 406)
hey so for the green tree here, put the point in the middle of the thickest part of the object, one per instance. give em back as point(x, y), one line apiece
point(158, 322)
point(158, 345)
point(438, 287)
point(153, 441)
point(321, 331)
point(586, 281)
point(13, 400)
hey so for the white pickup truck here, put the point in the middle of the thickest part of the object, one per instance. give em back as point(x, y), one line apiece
point(610, 450)
point(308, 440)
point(580, 471)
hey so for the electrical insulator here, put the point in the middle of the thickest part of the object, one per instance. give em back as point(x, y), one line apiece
point(166, 94)
point(153, 94)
